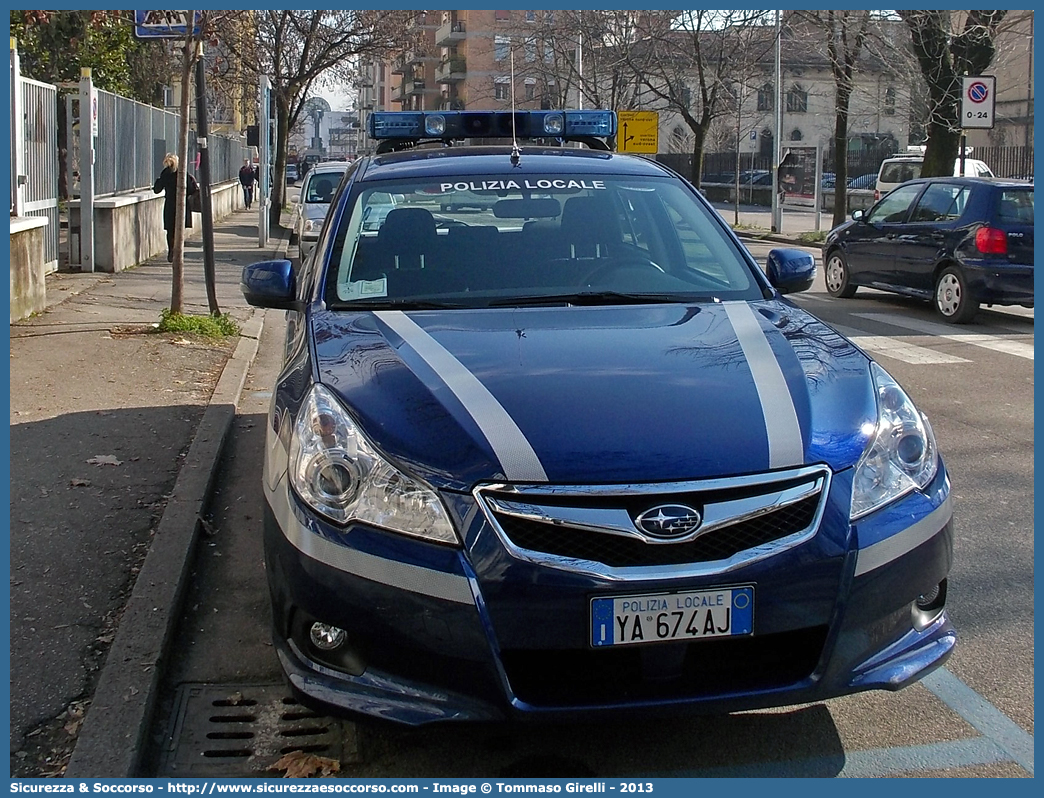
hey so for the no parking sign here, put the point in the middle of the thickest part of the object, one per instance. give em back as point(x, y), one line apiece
point(978, 100)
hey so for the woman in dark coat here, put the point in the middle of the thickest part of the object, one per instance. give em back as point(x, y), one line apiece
point(167, 182)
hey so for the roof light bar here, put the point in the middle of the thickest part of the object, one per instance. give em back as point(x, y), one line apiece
point(413, 125)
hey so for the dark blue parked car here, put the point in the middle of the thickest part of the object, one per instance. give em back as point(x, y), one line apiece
point(959, 241)
point(580, 455)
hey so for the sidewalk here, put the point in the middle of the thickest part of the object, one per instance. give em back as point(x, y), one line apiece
point(114, 438)
point(755, 221)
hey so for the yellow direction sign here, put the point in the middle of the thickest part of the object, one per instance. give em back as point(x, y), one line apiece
point(639, 131)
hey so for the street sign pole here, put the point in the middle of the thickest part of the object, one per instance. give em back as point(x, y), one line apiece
point(204, 184)
point(88, 130)
point(264, 183)
point(978, 106)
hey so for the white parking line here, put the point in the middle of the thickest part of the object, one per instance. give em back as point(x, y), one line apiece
point(992, 342)
point(894, 348)
point(1015, 741)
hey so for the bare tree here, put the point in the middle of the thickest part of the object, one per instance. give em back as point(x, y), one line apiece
point(845, 33)
point(946, 54)
point(592, 57)
point(686, 67)
point(297, 48)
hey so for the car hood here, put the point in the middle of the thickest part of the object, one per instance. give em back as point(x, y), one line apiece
point(598, 395)
point(315, 210)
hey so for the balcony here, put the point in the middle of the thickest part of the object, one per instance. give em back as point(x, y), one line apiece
point(449, 33)
point(451, 70)
point(451, 104)
point(404, 63)
point(407, 89)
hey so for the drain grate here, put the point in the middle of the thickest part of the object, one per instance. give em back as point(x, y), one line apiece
point(242, 730)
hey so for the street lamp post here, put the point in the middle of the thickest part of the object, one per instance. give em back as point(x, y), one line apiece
point(777, 154)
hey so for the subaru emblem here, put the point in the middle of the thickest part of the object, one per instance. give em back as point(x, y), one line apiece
point(669, 521)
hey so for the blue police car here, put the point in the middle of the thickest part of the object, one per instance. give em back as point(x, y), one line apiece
point(568, 451)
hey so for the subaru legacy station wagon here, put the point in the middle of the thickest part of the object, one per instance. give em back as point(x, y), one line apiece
point(549, 443)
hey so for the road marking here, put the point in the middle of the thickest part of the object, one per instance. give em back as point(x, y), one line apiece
point(1002, 740)
point(899, 350)
point(873, 762)
point(814, 297)
point(980, 713)
point(992, 342)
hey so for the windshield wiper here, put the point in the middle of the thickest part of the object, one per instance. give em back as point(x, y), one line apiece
point(599, 298)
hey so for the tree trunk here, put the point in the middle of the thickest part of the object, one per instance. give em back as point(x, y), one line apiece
point(282, 144)
point(177, 288)
point(841, 105)
point(699, 140)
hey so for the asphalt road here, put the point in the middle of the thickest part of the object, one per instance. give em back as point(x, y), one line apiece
point(974, 718)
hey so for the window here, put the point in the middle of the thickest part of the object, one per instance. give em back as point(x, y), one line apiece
point(500, 88)
point(894, 206)
point(549, 54)
point(530, 88)
point(531, 16)
point(501, 47)
point(1016, 206)
point(797, 100)
point(795, 135)
point(765, 97)
point(502, 16)
point(889, 101)
point(941, 202)
point(549, 17)
point(530, 47)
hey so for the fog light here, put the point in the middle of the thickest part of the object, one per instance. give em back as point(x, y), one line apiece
point(925, 600)
point(326, 637)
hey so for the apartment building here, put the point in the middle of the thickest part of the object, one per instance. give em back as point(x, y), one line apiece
point(466, 59)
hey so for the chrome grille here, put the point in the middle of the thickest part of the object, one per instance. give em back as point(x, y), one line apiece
point(593, 529)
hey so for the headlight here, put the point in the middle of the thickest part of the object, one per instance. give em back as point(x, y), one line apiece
point(901, 455)
point(336, 471)
point(309, 225)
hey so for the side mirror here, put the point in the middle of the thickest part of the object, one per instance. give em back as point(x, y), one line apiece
point(791, 270)
point(858, 215)
point(270, 284)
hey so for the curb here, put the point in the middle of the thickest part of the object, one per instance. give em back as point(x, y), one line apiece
point(114, 733)
point(774, 237)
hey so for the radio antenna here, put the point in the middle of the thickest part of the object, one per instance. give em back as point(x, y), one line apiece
point(516, 153)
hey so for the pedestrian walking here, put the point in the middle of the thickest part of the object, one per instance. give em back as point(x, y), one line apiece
point(167, 183)
point(248, 179)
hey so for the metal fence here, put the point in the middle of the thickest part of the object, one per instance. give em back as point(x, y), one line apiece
point(720, 167)
point(132, 140)
point(1007, 161)
point(34, 156)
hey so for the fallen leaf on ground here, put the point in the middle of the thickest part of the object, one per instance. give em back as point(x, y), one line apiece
point(104, 459)
point(301, 765)
point(80, 482)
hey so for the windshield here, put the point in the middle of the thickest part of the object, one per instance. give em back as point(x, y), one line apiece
point(530, 240)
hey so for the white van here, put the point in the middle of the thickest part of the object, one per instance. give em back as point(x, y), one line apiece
point(901, 168)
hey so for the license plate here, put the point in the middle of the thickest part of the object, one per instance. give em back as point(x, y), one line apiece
point(662, 617)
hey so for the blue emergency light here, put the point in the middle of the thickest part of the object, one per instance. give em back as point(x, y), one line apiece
point(448, 125)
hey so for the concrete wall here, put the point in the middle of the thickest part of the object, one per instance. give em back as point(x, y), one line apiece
point(128, 229)
point(28, 283)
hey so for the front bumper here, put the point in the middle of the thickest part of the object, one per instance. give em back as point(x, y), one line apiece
point(438, 634)
point(307, 242)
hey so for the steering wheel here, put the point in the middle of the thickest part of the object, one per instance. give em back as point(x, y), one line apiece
point(623, 261)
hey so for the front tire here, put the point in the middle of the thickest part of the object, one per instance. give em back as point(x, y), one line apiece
point(838, 279)
point(953, 299)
